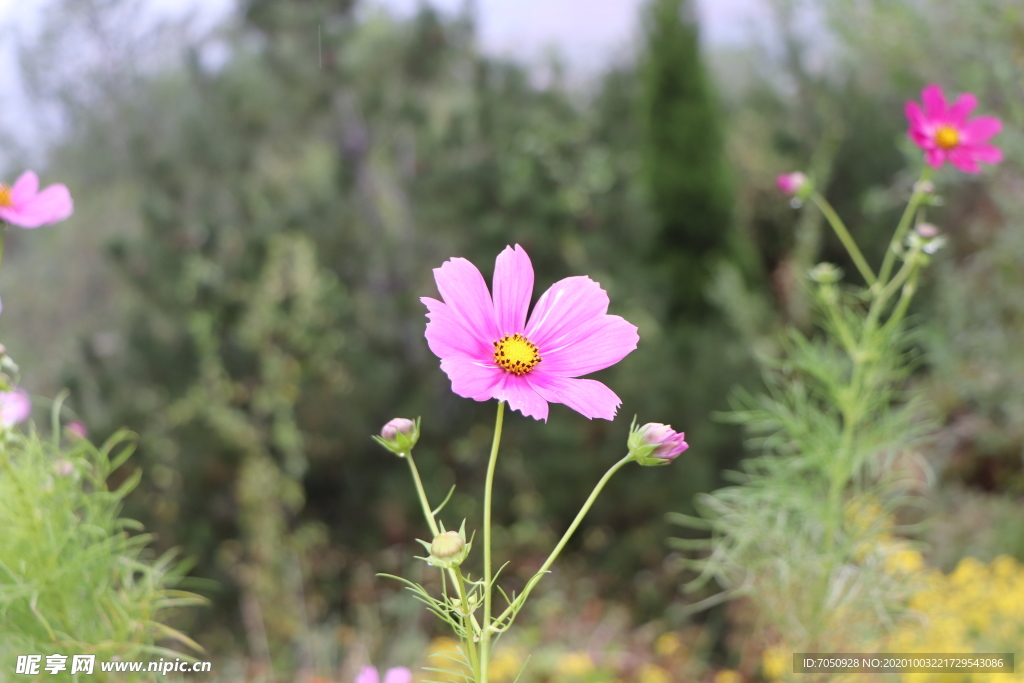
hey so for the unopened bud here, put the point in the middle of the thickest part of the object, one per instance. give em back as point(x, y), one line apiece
point(76, 429)
point(826, 273)
point(926, 237)
point(655, 443)
point(448, 549)
point(63, 468)
point(399, 435)
point(794, 184)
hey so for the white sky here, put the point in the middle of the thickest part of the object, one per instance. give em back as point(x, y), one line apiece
point(588, 33)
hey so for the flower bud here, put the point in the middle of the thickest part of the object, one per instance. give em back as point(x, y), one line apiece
point(826, 273)
point(926, 237)
point(655, 443)
point(76, 430)
point(399, 436)
point(448, 549)
point(794, 184)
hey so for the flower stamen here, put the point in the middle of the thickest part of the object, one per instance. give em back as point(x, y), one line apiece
point(5, 195)
point(947, 137)
point(515, 353)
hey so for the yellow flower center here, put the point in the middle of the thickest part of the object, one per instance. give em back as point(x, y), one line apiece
point(5, 195)
point(515, 353)
point(947, 137)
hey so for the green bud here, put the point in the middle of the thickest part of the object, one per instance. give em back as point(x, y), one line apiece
point(448, 549)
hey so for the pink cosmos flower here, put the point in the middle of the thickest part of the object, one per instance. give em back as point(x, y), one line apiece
point(489, 350)
point(790, 183)
point(23, 205)
point(15, 407)
point(944, 133)
point(399, 674)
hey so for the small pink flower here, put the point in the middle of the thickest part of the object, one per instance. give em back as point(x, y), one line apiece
point(944, 133)
point(489, 350)
point(15, 407)
point(76, 429)
point(790, 183)
point(399, 674)
point(23, 205)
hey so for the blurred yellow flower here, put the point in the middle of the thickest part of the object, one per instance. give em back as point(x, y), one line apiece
point(775, 663)
point(728, 676)
point(652, 673)
point(668, 644)
point(446, 654)
point(506, 664)
point(574, 664)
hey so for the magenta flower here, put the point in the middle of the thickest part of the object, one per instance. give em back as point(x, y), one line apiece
point(15, 407)
point(489, 350)
point(399, 674)
point(944, 133)
point(23, 205)
point(790, 183)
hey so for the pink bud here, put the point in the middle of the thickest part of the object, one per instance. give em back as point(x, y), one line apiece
point(926, 230)
point(63, 468)
point(76, 429)
point(399, 425)
point(791, 183)
point(669, 442)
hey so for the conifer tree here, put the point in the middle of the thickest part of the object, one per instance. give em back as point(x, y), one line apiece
point(685, 168)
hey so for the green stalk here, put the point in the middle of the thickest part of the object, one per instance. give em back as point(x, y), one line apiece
point(474, 662)
point(844, 236)
point(485, 637)
point(904, 225)
point(518, 602)
point(469, 621)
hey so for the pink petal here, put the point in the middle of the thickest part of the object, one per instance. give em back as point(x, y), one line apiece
point(15, 407)
point(935, 157)
point(588, 397)
point(934, 102)
point(463, 288)
point(561, 310)
point(963, 106)
point(516, 390)
point(24, 188)
point(447, 334)
point(915, 116)
point(398, 675)
point(49, 206)
point(473, 379)
point(962, 158)
point(981, 129)
point(601, 342)
point(368, 675)
point(987, 153)
point(513, 289)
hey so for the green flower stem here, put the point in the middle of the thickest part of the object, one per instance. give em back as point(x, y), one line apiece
point(427, 513)
point(469, 621)
point(910, 267)
point(521, 598)
point(904, 225)
point(906, 295)
point(474, 663)
point(844, 236)
point(485, 637)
